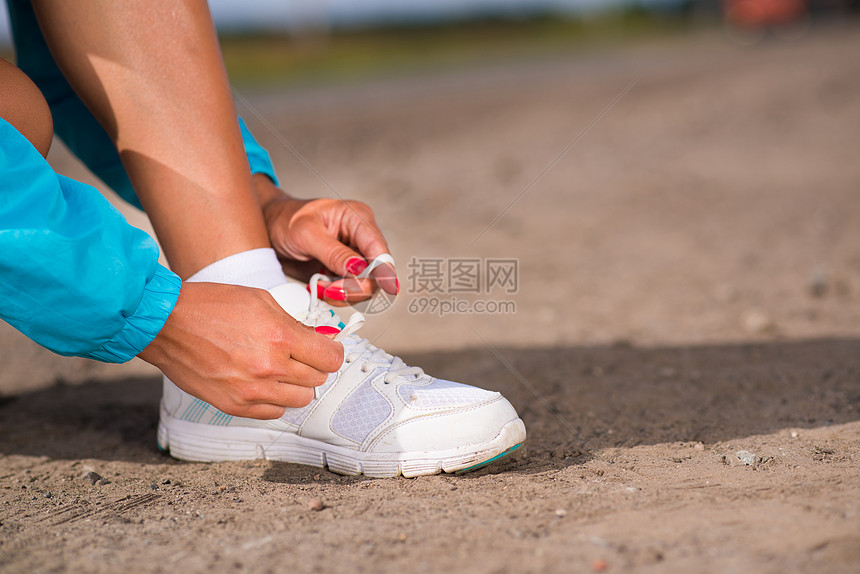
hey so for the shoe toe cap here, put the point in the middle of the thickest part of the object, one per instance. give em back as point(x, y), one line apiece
point(467, 428)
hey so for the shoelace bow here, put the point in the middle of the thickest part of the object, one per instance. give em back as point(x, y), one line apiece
point(359, 349)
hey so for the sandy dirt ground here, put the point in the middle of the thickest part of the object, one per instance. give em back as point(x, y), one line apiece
point(685, 350)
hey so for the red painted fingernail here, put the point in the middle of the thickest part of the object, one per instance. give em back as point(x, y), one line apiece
point(335, 293)
point(355, 265)
point(320, 290)
point(396, 286)
point(326, 330)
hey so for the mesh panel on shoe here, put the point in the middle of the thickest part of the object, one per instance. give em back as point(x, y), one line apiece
point(298, 416)
point(360, 413)
point(442, 394)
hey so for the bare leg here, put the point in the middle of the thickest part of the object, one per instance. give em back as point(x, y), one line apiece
point(151, 73)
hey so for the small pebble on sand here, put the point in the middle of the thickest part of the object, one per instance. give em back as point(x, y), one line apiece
point(750, 459)
point(91, 476)
point(747, 457)
point(316, 504)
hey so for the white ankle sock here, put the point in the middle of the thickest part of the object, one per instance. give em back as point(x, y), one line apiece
point(258, 268)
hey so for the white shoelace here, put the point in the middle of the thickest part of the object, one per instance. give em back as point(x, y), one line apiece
point(359, 349)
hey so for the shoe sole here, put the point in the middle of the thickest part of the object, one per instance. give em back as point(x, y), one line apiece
point(209, 443)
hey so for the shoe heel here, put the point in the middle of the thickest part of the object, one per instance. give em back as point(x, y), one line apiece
point(162, 438)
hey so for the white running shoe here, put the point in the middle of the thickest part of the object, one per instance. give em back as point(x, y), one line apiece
point(374, 416)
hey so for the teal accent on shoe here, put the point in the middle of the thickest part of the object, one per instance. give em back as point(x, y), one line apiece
point(190, 410)
point(195, 411)
point(341, 325)
point(219, 419)
point(486, 462)
point(198, 412)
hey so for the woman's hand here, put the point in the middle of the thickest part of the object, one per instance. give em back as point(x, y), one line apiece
point(340, 236)
point(235, 348)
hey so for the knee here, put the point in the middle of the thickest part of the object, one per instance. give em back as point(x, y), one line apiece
point(24, 106)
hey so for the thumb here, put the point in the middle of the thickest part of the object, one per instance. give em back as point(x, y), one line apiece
point(338, 257)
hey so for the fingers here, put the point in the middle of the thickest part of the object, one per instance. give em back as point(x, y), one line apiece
point(316, 351)
point(337, 256)
point(293, 386)
point(386, 278)
point(354, 289)
point(284, 396)
point(343, 236)
point(268, 395)
point(359, 226)
point(275, 401)
point(289, 371)
point(262, 412)
point(366, 235)
point(347, 290)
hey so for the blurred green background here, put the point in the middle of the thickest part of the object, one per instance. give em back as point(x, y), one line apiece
point(343, 55)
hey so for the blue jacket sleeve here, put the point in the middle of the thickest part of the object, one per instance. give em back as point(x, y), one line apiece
point(258, 158)
point(74, 275)
point(74, 123)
